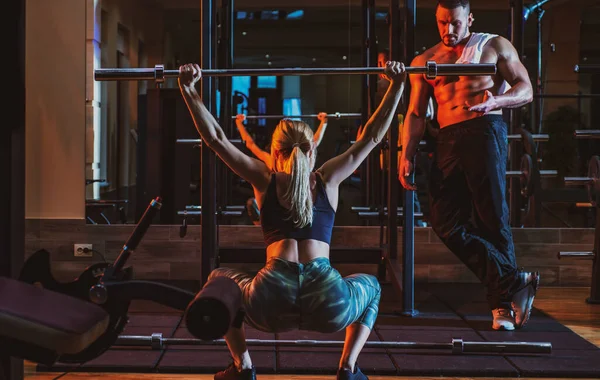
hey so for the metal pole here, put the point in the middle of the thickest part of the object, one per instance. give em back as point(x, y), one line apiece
point(539, 86)
point(225, 48)
point(516, 36)
point(395, 43)
point(369, 172)
point(376, 176)
point(208, 177)
point(408, 229)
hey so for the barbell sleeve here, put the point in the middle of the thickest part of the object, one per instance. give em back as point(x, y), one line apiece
point(158, 73)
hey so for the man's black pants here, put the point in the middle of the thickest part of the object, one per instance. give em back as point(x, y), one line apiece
point(468, 205)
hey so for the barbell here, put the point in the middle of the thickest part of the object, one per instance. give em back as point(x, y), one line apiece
point(337, 115)
point(159, 73)
point(456, 346)
point(579, 134)
point(199, 141)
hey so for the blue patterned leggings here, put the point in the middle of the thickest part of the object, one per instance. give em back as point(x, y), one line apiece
point(285, 295)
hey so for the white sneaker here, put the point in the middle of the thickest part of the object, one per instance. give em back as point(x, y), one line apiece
point(503, 319)
point(522, 301)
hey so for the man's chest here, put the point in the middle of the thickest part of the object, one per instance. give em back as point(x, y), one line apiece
point(487, 55)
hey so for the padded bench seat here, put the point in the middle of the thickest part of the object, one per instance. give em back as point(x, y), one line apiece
point(45, 319)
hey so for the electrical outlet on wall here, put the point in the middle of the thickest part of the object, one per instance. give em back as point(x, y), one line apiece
point(82, 250)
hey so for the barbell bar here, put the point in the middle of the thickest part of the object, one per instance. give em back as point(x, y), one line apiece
point(456, 346)
point(579, 134)
point(591, 134)
point(228, 208)
point(574, 181)
point(375, 214)
point(337, 115)
point(199, 141)
point(221, 212)
point(368, 208)
point(158, 73)
point(543, 173)
point(576, 255)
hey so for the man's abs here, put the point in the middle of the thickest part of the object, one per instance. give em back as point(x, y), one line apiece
point(455, 98)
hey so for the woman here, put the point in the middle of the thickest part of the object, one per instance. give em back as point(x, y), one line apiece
point(251, 205)
point(297, 288)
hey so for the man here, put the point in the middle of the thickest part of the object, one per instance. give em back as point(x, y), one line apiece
point(468, 173)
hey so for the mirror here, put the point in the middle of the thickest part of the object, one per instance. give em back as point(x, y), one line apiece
point(141, 139)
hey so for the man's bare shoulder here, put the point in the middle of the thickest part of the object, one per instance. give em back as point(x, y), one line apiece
point(501, 45)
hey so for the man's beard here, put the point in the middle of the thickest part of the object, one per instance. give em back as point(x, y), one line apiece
point(451, 41)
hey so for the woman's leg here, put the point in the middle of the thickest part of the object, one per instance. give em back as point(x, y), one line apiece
point(365, 293)
point(356, 336)
point(331, 303)
point(236, 341)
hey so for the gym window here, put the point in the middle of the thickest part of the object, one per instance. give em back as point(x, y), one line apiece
point(292, 106)
point(266, 82)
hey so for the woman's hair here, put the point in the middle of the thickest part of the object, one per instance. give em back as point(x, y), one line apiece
point(293, 140)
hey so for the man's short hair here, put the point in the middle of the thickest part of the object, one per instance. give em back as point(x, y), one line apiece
point(452, 4)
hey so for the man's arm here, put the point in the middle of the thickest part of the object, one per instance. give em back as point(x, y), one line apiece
point(512, 71)
point(250, 144)
point(318, 137)
point(416, 115)
point(414, 123)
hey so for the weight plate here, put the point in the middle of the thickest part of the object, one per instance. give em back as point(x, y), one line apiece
point(526, 176)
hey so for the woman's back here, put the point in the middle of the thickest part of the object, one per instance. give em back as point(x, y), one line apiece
point(282, 237)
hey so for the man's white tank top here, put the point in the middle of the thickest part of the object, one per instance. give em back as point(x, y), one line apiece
point(473, 50)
